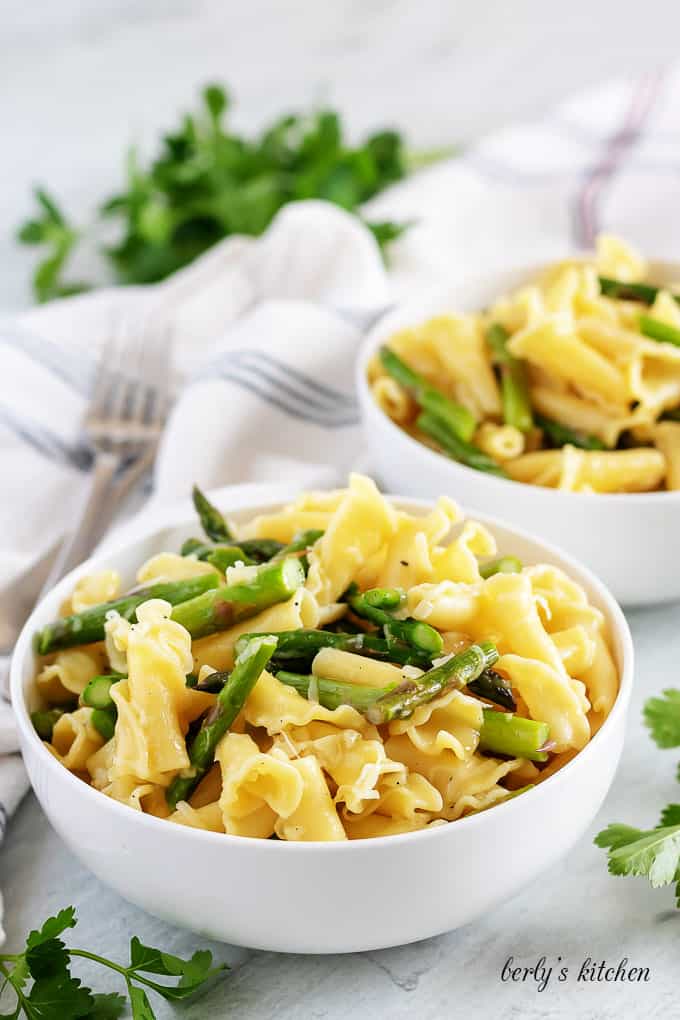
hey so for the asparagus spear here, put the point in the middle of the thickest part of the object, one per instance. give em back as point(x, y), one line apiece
point(300, 544)
point(514, 385)
point(332, 693)
point(247, 669)
point(491, 686)
point(88, 626)
point(193, 546)
point(104, 721)
point(658, 330)
point(511, 735)
point(456, 417)
point(457, 448)
point(221, 607)
point(97, 693)
point(644, 292)
point(300, 646)
point(501, 733)
point(261, 549)
point(252, 550)
point(458, 671)
point(501, 565)
point(561, 435)
point(378, 604)
point(212, 521)
point(43, 721)
point(212, 684)
point(224, 556)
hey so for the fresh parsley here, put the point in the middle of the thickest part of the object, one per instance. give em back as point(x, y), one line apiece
point(44, 988)
point(651, 853)
point(208, 182)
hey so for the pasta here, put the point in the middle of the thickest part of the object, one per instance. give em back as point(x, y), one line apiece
point(267, 727)
point(571, 382)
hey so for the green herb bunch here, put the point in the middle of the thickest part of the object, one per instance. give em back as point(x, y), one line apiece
point(44, 988)
point(651, 853)
point(208, 182)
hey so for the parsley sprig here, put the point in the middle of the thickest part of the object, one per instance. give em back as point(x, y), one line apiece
point(45, 989)
point(208, 182)
point(651, 853)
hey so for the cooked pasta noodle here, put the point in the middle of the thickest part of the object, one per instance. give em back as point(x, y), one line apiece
point(564, 382)
point(299, 758)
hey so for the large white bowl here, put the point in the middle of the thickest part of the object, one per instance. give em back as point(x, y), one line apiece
point(323, 897)
point(630, 540)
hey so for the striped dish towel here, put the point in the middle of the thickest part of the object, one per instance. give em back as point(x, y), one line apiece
point(266, 330)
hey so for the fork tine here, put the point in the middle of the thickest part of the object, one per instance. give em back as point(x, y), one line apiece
point(157, 373)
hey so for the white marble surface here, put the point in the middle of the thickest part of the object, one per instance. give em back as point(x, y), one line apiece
point(79, 80)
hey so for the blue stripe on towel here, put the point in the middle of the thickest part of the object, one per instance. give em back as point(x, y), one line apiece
point(46, 443)
point(77, 370)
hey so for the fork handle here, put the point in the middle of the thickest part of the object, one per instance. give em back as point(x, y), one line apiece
point(91, 522)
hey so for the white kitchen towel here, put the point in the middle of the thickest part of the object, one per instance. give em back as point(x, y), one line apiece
point(266, 331)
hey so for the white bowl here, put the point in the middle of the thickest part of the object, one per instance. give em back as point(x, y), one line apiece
point(630, 540)
point(323, 897)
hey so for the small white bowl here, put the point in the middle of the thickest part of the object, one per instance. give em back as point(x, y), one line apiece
point(323, 897)
point(630, 540)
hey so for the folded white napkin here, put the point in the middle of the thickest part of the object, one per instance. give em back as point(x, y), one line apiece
point(266, 330)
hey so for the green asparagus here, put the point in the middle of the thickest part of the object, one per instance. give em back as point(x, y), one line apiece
point(511, 735)
point(212, 521)
point(501, 733)
point(88, 626)
point(97, 693)
point(212, 684)
point(303, 541)
point(644, 292)
point(501, 565)
point(251, 550)
point(194, 546)
point(43, 721)
point(378, 605)
point(458, 419)
point(104, 721)
point(562, 435)
point(222, 607)
point(658, 330)
point(224, 556)
point(332, 693)
point(456, 448)
point(491, 686)
point(458, 671)
point(261, 549)
point(300, 646)
point(247, 669)
point(514, 384)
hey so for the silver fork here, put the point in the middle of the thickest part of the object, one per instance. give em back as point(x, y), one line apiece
point(122, 426)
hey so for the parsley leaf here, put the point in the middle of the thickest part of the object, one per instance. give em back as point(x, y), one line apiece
point(141, 1007)
point(51, 231)
point(670, 815)
point(192, 972)
point(55, 994)
point(207, 182)
point(654, 854)
point(662, 716)
point(59, 996)
point(107, 1006)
